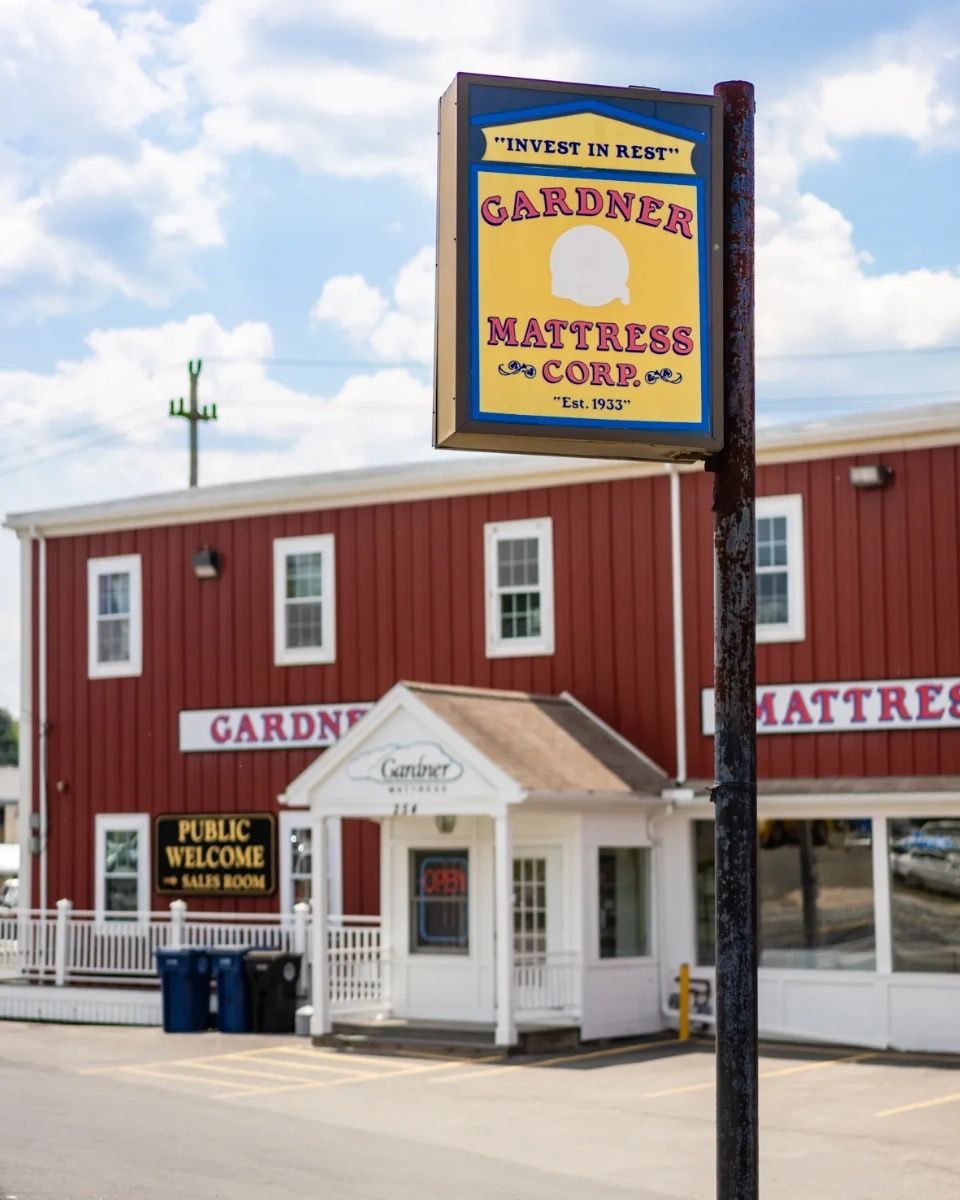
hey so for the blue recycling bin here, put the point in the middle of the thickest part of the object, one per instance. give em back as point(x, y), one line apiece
point(233, 994)
point(185, 984)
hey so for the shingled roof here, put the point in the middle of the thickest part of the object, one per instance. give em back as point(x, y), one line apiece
point(545, 743)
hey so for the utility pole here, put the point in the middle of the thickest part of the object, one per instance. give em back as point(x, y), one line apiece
point(194, 415)
point(735, 793)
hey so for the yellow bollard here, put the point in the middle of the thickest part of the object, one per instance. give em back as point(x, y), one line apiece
point(683, 1030)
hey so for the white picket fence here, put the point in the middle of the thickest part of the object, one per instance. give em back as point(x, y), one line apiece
point(64, 946)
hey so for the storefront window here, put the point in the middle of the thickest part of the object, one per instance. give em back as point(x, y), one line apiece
point(816, 894)
point(925, 894)
point(624, 874)
point(439, 901)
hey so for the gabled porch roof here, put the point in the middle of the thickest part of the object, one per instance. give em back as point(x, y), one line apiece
point(433, 749)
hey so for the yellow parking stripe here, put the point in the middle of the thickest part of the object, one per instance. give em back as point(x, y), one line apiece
point(250, 1072)
point(382, 1077)
point(179, 1078)
point(779, 1073)
point(893, 1112)
point(561, 1059)
point(375, 1061)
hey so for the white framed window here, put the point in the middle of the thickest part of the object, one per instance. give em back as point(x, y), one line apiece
point(114, 617)
point(780, 576)
point(623, 901)
point(518, 558)
point(304, 616)
point(122, 888)
point(296, 862)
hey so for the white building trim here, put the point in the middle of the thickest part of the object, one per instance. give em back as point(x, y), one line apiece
point(463, 475)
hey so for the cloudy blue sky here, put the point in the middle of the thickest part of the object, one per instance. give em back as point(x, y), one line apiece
point(252, 181)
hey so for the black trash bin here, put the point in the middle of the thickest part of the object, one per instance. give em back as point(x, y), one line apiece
point(233, 994)
point(272, 976)
point(185, 984)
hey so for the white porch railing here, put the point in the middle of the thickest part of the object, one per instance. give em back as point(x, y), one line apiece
point(546, 983)
point(64, 945)
point(358, 971)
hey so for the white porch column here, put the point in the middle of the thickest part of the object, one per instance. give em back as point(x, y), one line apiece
point(503, 925)
point(320, 970)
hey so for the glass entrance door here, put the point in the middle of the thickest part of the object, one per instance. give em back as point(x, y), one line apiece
point(530, 907)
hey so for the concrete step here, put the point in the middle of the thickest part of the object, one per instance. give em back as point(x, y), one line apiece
point(444, 1040)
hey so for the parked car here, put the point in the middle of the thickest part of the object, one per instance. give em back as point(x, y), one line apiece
point(929, 857)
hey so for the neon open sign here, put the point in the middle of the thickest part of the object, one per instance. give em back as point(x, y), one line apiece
point(444, 880)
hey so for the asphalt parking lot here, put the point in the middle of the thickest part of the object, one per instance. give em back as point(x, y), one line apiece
point(102, 1113)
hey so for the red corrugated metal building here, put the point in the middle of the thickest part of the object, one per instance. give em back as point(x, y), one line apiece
point(399, 573)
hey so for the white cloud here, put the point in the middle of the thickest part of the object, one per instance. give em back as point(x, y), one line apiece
point(110, 224)
point(90, 207)
point(274, 79)
point(400, 327)
point(97, 427)
point(816, 289)
point(68, 77)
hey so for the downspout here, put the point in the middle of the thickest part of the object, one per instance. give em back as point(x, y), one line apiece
point(42, 712)
point(676, 572)
point(27, 725)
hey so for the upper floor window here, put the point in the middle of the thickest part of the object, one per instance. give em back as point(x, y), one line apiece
point(114, 622)
point(303, 600)
point(780, 585)
point(519, 574)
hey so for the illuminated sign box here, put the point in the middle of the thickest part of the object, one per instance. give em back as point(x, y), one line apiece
point(215, 854)
point(578, 289)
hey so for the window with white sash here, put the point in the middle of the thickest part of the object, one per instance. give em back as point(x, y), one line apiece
point(519, 588)
point(303, 600)
point(780, 576)
point(122, 885)
point(114, 617)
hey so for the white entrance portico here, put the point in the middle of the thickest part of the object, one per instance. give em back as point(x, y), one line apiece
point(516, 872)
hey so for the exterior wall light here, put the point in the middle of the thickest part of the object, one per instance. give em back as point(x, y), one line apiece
point(873, 476)
point(446, 823)
point(206, 564)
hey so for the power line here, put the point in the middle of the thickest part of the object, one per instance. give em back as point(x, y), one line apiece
point(85, 401)
point(345, 364)
point(72, 435)
point(111, 436)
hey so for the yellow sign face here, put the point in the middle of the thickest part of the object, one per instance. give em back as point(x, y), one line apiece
point(578, 242)
point(588, 298)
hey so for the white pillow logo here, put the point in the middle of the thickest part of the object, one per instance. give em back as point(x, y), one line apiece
point(590, 266)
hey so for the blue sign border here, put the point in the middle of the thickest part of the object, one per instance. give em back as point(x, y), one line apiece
point(643, 177)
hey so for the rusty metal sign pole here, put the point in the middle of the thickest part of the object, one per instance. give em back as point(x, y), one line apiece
point(735, 793)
